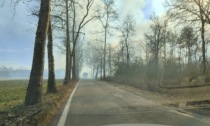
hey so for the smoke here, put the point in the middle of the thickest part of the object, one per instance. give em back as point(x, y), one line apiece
point(140, 9)
point(60, 61)
point(132, 7)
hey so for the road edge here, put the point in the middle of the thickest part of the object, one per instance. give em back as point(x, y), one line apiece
point(62, 119)
point(177, 110)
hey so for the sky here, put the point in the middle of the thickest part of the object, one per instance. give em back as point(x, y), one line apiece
point(17, 30)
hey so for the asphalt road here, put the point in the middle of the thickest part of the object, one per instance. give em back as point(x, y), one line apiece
point(97, 103)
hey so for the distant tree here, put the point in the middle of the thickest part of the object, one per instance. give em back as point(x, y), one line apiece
point(155, 38)
point(194, 12)
point(79, 56)
point(5, 68)
point(94, 58)
point(77, 26)
point(188, 39)
point(172, 40)
point(2, 3)
point(34, 90)
point(106, 15)
point(127, 32)
point(110, 54)
point(74, 23)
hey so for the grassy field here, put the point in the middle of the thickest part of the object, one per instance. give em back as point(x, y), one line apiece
point(12, 109)
point(12, 93)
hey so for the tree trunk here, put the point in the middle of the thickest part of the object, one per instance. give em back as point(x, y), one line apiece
point(34, 90)
point(127, 56)
point(96, 75)
point(203, 48)
point(67, 78)
point(203, 37)
point(101, 69)
point(74, 65)
point(110, 63)
point(127, 49)
point(51, 86)
point(74, 45)
point(104, 67)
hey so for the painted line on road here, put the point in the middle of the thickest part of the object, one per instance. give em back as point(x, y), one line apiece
point(62, 119)
point(193, 116)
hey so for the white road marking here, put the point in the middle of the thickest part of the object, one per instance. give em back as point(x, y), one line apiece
point(193, 116)
point(62, 119)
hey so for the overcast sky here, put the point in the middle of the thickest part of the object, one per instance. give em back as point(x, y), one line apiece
point(17, 33)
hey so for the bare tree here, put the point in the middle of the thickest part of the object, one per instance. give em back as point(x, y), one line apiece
point(94, 58)
point(110, 58)
point(76, 30)
point(188, 39)
point(34, 90)
point(79, 56)
point(172, 38)
point(155, 41)
point(155, 38)
point(67, 78)
point(191, 12)
point(106, 16)
point(74, 21)
point(127, 32)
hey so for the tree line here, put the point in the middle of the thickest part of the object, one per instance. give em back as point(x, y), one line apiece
point(173, 49)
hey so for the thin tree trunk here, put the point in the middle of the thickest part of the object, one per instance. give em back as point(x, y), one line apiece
point(110, 64)
point(34, 90)
point(96, 76)
point(203, 48)
point(70, 64)
point(203, 37)
point(127, 49)
point(127, 56)
point(74, 65)
point(104, 67)
point(67, 78)
point(51, 86)
point(101, 69)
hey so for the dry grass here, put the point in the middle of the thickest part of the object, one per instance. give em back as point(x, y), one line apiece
point(190, 94)
point(54, 102)
point(172, 96)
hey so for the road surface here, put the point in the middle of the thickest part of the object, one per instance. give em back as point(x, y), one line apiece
point(97, 103)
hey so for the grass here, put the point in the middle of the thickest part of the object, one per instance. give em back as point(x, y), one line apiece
point(12, 93)
point(12, 109)
point(170, 96)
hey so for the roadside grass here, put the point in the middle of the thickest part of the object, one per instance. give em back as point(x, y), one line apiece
point(12, 93)
point(13, 111)
point(170, 96)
